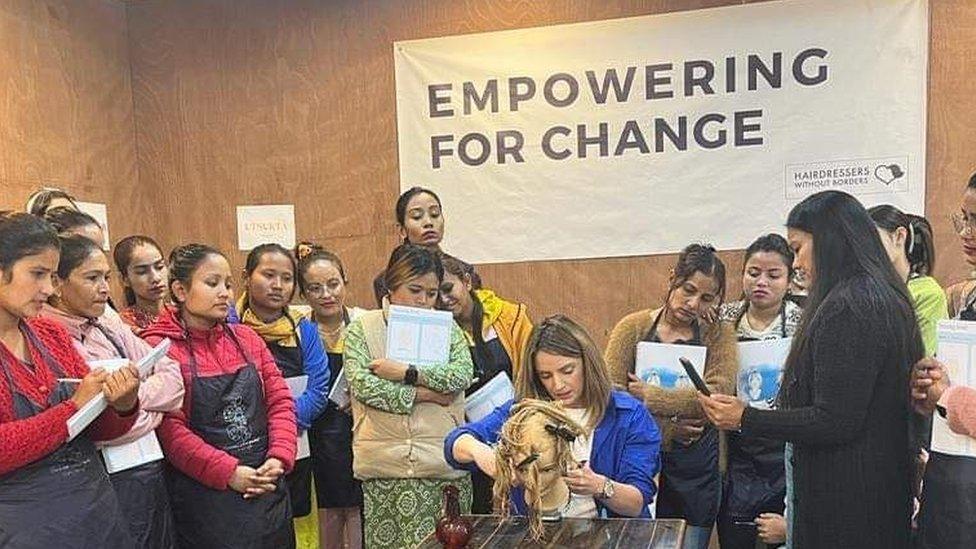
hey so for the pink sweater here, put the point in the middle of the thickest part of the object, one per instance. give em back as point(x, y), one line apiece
point(960, 403)
point(159, 393)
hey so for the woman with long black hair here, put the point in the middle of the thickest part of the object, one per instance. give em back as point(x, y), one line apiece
point(844, 402)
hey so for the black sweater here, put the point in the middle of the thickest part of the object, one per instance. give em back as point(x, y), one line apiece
point(846, 409)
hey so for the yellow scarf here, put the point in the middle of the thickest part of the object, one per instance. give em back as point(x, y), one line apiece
point(283, 331)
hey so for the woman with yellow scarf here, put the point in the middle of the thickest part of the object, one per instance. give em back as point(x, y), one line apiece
point(498, 332)
point(269, 285)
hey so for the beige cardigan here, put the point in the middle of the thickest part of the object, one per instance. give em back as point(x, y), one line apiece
point(721, 366)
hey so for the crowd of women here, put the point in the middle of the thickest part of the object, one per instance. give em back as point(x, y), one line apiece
point(835, 460)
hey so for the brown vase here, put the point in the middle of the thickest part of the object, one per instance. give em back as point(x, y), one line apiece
point(453, 530)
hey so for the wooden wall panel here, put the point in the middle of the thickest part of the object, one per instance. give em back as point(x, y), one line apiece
point(292, 101)
point(66, 105)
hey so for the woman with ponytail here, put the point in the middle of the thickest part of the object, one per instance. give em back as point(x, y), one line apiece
point(690, 478)
point(908, 241)
point(234, 438)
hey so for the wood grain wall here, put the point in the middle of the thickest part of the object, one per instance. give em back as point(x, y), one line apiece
point(66, 105)
point(292, 101)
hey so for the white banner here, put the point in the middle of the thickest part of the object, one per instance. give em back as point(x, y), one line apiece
point(637, 136)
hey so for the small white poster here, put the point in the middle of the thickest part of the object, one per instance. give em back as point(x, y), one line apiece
point(421, 337)
point(761, 371)
point(100, 213)
point(957, 345)
point(657, 364)
point(258, 225)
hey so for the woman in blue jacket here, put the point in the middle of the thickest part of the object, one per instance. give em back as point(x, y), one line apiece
point(269, 285)
point(619, 451)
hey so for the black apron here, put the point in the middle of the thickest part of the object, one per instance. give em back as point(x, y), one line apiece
point(291, 362)
point(141, 490)
point(62, 500)
point(228, 412)
point(947, 517)
point(690, 480)
point(755, 482)
point(331, 442)
point(487, 365)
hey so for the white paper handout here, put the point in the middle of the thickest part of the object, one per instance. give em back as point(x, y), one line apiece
point(144, 450)
point(657, 364)
point(761, 371)
point(489, 396)
point(297, 385)
point(957, 343)
point(421, 337)
point(94, 408)
point(339, 394)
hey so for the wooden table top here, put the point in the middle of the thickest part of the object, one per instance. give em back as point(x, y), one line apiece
point(490, 531)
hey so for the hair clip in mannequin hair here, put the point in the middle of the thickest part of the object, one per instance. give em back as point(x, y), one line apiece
point(534, 451)
point(561, 431)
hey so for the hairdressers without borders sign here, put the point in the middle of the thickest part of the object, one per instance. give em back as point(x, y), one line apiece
point(637, 136)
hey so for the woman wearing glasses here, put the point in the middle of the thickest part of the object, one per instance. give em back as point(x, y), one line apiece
point(962, 295)
point(948, 512)
point(322, 279)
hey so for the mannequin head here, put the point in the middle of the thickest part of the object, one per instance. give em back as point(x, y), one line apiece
point(534, 450)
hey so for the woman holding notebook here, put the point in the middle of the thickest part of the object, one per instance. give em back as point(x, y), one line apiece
point(322, 280)
point(402, 413)
point(53, 491)
point(690, 479)
point(78, 305)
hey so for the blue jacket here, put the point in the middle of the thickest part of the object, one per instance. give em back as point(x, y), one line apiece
point(626, 447)
point(310, 405)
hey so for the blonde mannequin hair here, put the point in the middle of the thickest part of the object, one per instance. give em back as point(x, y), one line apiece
point(533, 428)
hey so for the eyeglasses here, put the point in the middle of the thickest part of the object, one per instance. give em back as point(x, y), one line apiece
point(962, 222)
point(319, 290)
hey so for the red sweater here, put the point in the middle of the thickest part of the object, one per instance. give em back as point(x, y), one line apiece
point(217, 354)
point(25, 441)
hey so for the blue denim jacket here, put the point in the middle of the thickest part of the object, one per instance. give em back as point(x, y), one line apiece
point(626, 447)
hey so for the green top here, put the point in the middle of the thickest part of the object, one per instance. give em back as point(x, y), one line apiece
point(930, 307)
point(395, 397)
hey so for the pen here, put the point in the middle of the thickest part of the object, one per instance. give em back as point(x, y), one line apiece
point(69, 380)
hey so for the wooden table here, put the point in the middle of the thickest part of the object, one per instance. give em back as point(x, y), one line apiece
point(490, 531)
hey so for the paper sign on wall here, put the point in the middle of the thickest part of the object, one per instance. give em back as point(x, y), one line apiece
point(100, 213)
point(258, 225)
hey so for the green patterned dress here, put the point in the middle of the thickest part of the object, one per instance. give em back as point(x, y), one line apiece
point(399, 513)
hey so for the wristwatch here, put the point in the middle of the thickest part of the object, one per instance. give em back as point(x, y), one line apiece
point(607, 489)
point(410, 378)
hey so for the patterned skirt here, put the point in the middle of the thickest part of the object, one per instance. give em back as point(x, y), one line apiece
point(399, 513)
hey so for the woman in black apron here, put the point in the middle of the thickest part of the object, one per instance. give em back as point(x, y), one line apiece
point(339, 495)
point(755, 480)
point(235, 437)
point(498, 332)
point(53, 492)
point(690, 483)
point(269, 279)
point(947, 518)
point(79, 306)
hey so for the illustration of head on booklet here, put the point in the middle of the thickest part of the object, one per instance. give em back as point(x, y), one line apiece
point(658, 364)
point(758, 385)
